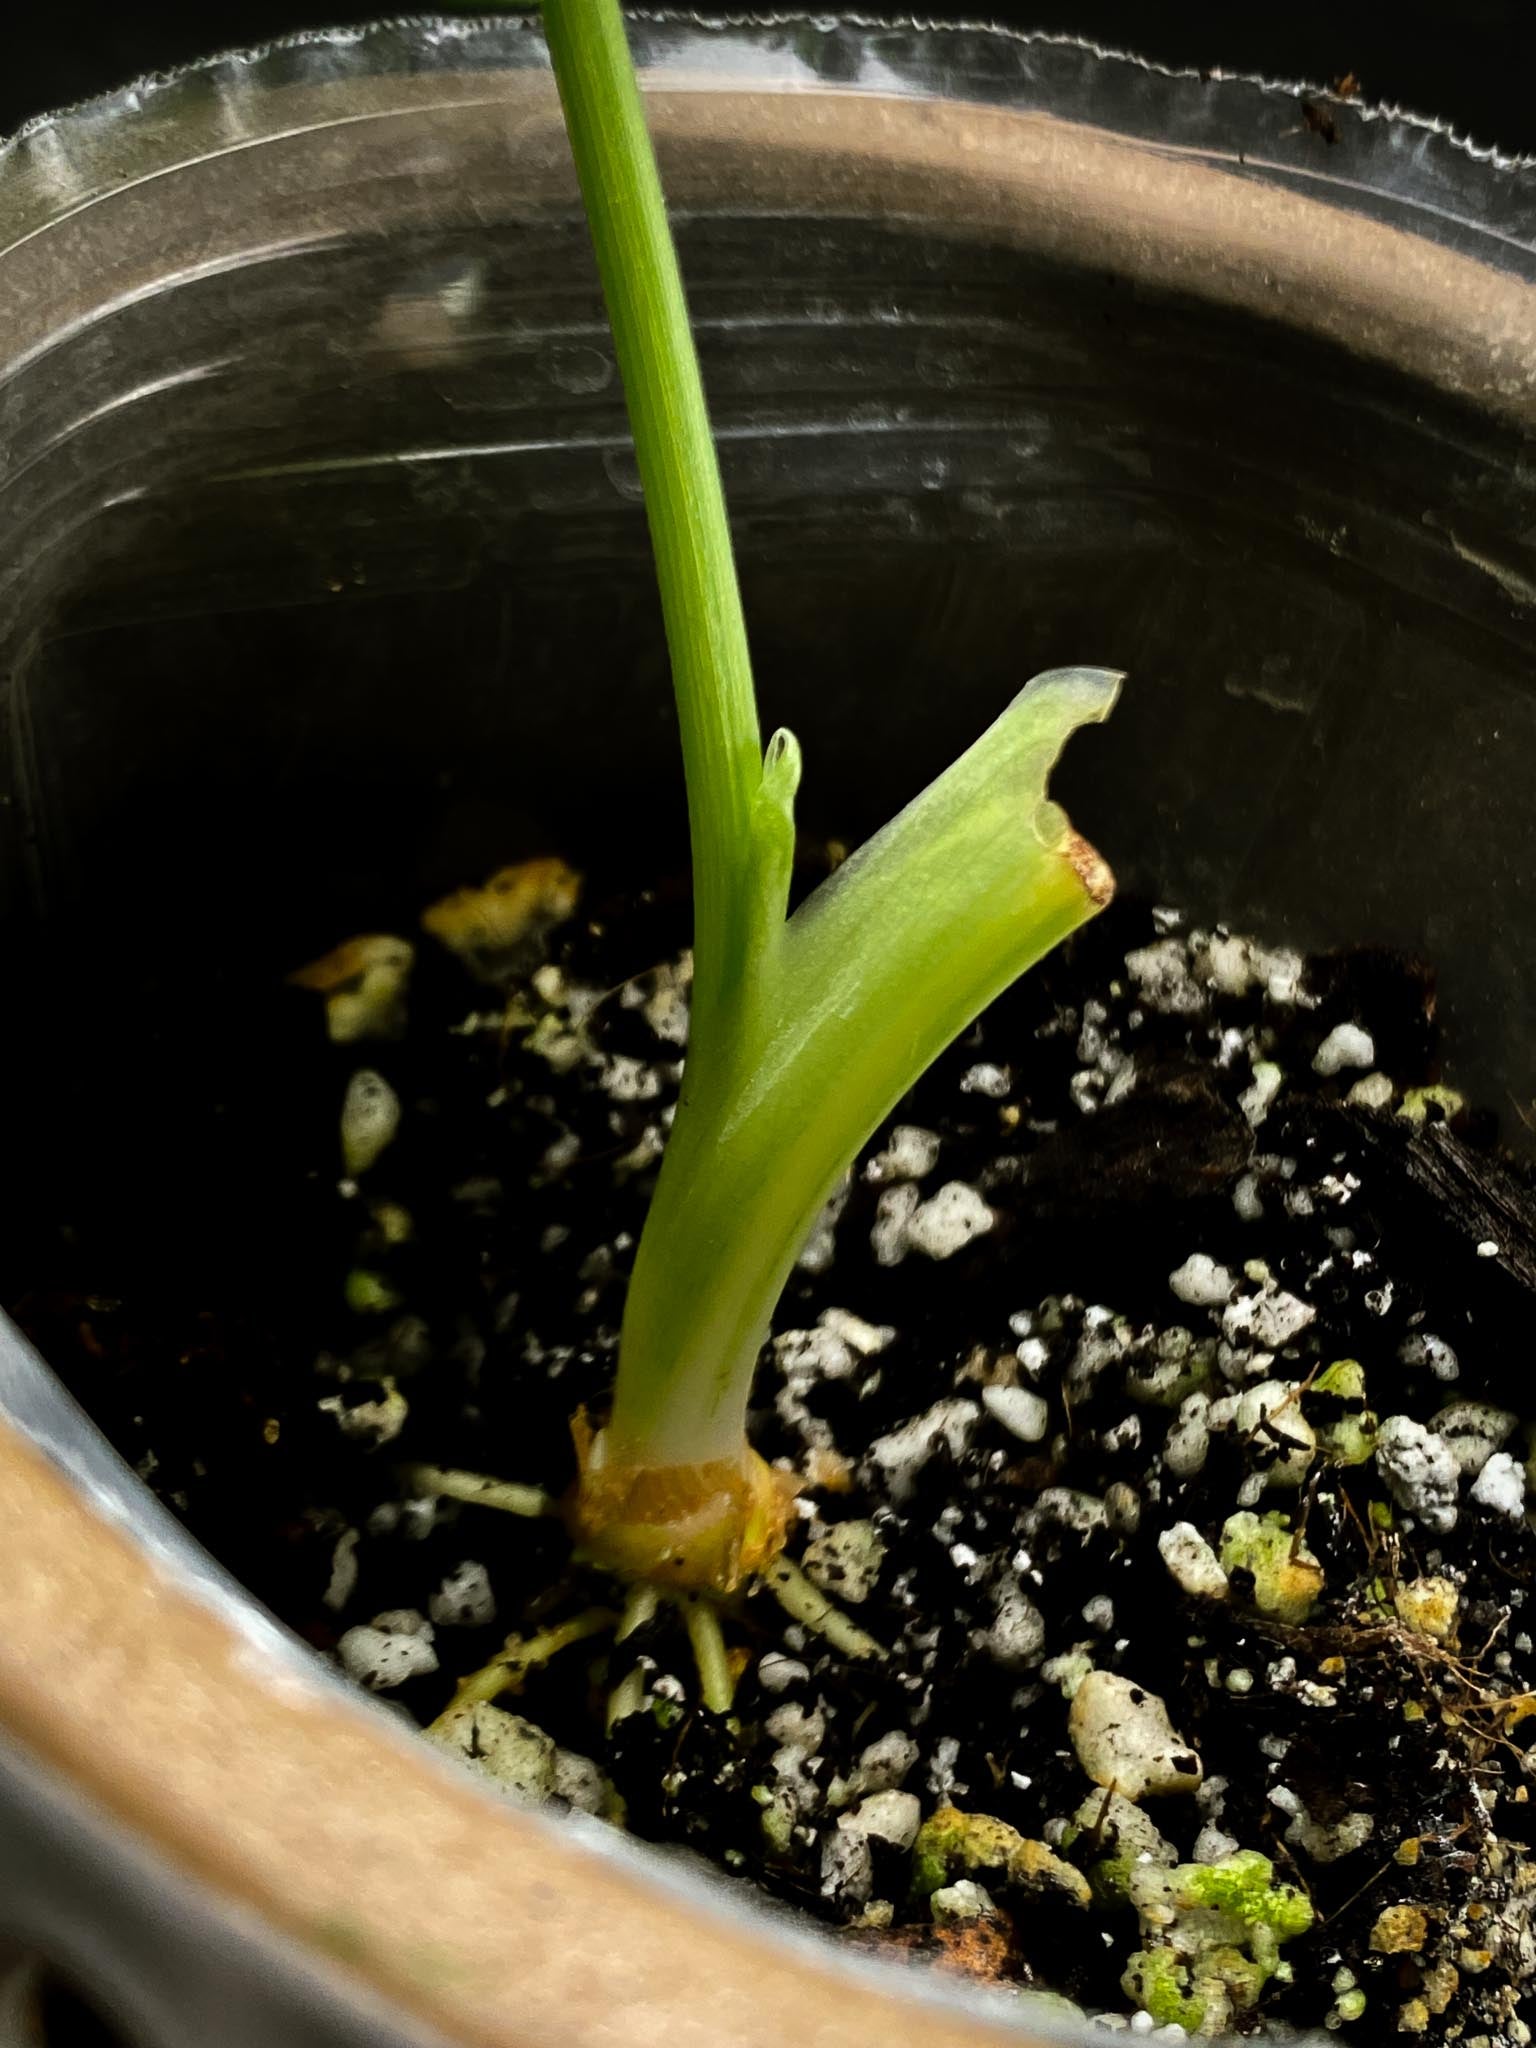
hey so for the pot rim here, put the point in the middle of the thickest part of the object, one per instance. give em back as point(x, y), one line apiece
point(185, 1696)
point(129, 97)
point(1397, 240)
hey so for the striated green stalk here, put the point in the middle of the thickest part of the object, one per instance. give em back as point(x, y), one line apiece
point(684, 497)
point(845, 1006)
point(807, 1030)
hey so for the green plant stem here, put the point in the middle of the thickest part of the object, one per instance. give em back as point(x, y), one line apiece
point(804, 1034)
point(852, 1000)
point(684, 498)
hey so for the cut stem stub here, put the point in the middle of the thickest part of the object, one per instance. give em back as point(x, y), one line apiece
point(705, 1527)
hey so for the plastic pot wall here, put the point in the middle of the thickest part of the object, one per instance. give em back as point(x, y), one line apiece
point(324, 586)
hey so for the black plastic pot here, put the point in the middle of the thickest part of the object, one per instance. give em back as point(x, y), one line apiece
point(324, 582)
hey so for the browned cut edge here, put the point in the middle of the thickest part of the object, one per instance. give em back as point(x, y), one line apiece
point(1093, 870)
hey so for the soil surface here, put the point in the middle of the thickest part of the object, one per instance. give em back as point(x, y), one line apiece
point(1160, 1380)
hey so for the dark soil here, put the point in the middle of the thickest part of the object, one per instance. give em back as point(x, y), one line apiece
point(1108, 1115)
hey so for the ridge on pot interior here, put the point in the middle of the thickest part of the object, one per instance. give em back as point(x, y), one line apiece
point(1145, 1395)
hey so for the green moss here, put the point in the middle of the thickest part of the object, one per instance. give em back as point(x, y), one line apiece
point(1213, 1933)
point(1417, 1103)
point(953, 1844)
point(1159, 1981)
point(1348, 1438)
point(1287, 1578)
point(1199, 1993)
point(1243, 1884)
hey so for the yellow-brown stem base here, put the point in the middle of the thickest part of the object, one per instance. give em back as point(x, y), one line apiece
point(706, 1528)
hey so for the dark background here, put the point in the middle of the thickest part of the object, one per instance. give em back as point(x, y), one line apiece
point(1471, 62)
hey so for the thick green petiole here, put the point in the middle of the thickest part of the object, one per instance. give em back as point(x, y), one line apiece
point(849, 1002)
point(807, 1030)
point(684, 497)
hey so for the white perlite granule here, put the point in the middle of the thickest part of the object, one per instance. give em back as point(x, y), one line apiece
point(1345, 1046)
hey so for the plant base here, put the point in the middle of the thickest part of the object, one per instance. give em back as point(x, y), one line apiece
point(705, 1528)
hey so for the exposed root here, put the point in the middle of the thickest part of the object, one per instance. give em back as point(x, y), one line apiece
point(628, 1696)
point(479, 1490)
point(813, 1610)
point(689, 1535)
point(519, 1655)
point(717, 1684)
